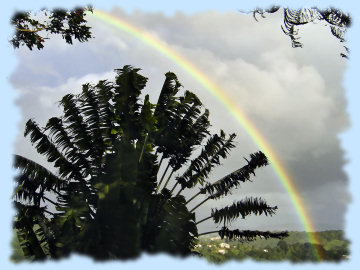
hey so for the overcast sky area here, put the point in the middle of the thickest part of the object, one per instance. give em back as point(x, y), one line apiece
point(294, 97)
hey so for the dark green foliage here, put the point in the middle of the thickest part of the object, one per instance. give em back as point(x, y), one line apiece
point(247, 235)
point(70, 24)
point(31, 240)
point(104, 194)
point(215, 148)
point(225, 184)
point(337, 20)
point(160, 233)
point(242, 208)
point(34, 177)
point(179, 116)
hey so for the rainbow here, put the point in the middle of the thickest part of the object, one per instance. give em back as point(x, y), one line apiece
point(260, 141)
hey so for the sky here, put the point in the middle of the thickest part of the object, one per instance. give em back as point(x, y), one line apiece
point(295, 97)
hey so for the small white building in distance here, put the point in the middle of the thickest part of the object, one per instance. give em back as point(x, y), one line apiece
point(221, 251)
point(224, 245)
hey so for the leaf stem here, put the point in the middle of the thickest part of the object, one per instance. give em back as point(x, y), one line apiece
point(54, 203)
point(171, 191)
point(179, 192)
point(161, 160)
point(167, 181)
point(204, 219)
point(31, 31)
point(192, 210)
point(193, 197)
point(162, 178)
point(143, 147)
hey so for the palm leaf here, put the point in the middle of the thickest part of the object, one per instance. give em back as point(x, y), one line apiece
point(91, 109)
point(24, 224)
point(76, 125)
point(59, 135)
point(45, 147)
point(39, 174)
point(127, 88)
point(247, 235)
point(225, 184)
point(217, 147)
point(242, 208)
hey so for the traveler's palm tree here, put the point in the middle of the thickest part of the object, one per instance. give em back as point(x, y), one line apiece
point(109, 201)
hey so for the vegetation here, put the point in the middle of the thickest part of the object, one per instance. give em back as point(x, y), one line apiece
point(105, 199)
point(337, 20)
point(294, 248)
point(30, 30)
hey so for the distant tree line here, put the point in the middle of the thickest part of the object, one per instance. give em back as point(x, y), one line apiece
point(294, 248)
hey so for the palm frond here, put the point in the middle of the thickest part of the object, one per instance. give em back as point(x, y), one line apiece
point(59, 135)
point(24, 224)
point(45, 147)
point(223, 186)
point(39, 174)
point(242, 208)
point(34, 180)
point(217, 147)
point(167, 95)
point(247, 235)
point(127, 88)
point(188, 135)
point(167, 218)
point(76, 125)
point(105, 95)
point(91, 109)
point(166, 114)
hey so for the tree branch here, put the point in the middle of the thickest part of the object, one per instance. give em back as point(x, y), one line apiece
point(31, 31)
point(143, 148)
point(167, 181)
point(162, 178)
point(54, 203)
point(192, 210)
point(204, 219)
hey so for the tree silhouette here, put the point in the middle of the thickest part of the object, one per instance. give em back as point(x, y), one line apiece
point(105, 198)
point(338, 21)
point(30, 30)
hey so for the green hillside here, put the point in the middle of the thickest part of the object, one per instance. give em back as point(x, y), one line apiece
point(295, 248)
